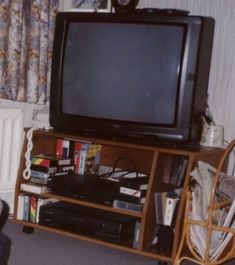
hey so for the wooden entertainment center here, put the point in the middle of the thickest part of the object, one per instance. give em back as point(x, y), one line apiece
point(149, 160)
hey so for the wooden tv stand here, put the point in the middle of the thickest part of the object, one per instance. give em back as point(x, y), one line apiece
point(149, 160)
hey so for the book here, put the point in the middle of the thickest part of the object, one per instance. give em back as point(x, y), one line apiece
point(167, 165)
point(82, 158)
point(63, 147)
point(48, 161)
point(183, 168)
point(92, 160)
point(26, 208)
point(77, 151)
point(89, 158)
point(170, 209)
point(175, 170)
point(32, 209)
point(20, 207)
point(165, 203)
point(158, 207)
point(136, 240)
point(163, 199)
point(40, 202)
point(175, 214)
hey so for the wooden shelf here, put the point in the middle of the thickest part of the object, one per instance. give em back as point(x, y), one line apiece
point(149, 160)
point(92, 205)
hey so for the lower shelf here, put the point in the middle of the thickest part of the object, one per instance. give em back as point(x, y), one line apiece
point(151, 253)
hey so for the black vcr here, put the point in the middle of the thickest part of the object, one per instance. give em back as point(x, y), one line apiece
point(96, 223)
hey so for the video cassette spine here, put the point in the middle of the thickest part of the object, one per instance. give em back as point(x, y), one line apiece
point(137, 183)
point(127, 206)
point(33, 188)
point(131, 199)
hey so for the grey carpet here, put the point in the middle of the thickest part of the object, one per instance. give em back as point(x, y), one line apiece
point(46, 248)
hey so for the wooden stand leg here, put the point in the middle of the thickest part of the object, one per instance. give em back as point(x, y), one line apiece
point(28, 229)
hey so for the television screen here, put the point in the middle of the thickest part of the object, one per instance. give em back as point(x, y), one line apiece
point(122, 72)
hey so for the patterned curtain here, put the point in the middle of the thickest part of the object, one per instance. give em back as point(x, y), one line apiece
point(26, 40)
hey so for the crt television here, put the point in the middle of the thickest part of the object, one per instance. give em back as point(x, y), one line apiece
point(130, 76)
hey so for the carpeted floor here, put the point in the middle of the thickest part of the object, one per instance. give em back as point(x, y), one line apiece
point(46, 248)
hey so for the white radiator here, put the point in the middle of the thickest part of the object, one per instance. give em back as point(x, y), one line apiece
point(11, 135)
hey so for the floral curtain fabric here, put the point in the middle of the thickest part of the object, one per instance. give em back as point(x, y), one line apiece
point(26, 40)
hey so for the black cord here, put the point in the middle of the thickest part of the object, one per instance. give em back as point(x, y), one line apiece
point(109, 174)
point(130, 162)
point(125, 172)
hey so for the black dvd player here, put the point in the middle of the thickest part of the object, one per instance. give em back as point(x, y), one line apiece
point(96, 223)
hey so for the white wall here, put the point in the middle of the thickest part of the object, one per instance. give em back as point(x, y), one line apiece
point(222, 78)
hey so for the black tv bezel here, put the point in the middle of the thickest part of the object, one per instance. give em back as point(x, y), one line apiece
point(198, 31)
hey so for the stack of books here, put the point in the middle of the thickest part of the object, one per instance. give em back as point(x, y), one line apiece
point(174, 169)
point(29, 207)
point(44, 167)
point(86, 158)
point(166, 206)
point(86, 155)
